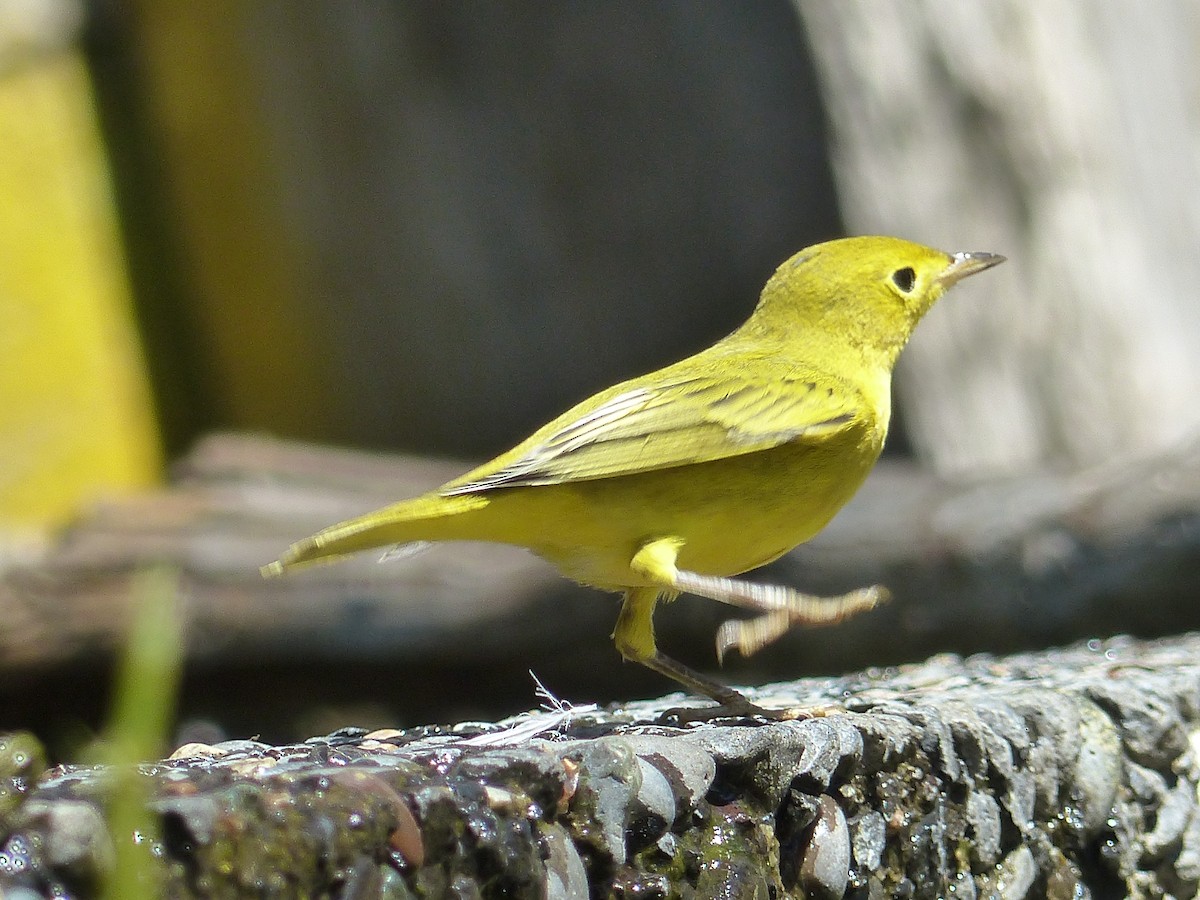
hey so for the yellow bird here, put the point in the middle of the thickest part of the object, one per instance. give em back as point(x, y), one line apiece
point(674, 481)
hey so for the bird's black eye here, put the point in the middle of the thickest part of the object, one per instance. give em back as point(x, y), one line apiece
point(904, 278)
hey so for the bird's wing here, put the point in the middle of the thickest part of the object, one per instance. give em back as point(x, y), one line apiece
point(674, 421)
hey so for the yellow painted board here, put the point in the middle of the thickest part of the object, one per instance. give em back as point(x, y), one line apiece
point(76, 417)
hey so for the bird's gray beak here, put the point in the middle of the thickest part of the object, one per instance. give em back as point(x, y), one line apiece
point(964, 264)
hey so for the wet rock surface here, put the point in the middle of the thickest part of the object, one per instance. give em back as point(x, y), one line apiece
point(1069, 773)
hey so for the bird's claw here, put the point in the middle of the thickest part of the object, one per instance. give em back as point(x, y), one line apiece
point(748, 636)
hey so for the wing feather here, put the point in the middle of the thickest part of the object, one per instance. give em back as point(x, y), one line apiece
point(677, 420)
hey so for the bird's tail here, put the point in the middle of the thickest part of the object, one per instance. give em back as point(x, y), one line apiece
point(427, 518)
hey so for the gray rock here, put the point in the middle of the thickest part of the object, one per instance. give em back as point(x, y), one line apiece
point(688, 767)
point(75, 836)
point(1151, 729)
point(1187, 863)
point(937, 740)
point(868, 837)
point(1096, 775)
point(667, 845)
point(1174, 813)
point(1020, 797)
point(833, 746)
point(1145, 785)
point(610, 778)
point(972, 741)
point(825, 867)
point(983, 813)
point(811, 750)
point(1052, 722)
point(196, 814)
point(654, 803)
point(538, 772)
point(1006, 777)
point(888, 737)
point(238, 749)
point(566, 878)
point(1013, 878)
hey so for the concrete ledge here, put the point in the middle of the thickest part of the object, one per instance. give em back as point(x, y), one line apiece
point(1067, 773)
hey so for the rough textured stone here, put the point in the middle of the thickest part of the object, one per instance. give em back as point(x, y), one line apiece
point(566, 878)
point(1066, 774)
point(688, 768)
point(826, 862)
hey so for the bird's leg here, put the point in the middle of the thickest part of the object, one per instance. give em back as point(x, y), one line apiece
point(634, 637)
point(781, 608)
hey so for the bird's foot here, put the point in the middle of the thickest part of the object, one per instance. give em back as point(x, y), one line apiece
point(748, 636)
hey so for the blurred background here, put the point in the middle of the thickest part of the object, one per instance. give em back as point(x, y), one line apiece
point(426, 227)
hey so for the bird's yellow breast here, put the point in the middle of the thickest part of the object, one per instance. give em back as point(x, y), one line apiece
point(731, 515)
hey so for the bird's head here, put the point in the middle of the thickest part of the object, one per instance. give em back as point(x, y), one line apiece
point(869, 292)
